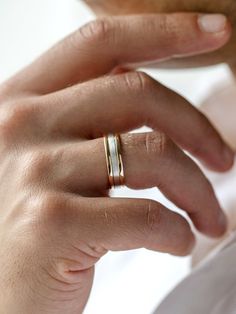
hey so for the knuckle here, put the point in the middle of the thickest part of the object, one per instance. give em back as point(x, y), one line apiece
point(99, 30)
point(35, 212)
point(138, 82)
point(164, 23)
point(16, 119)
point(157, 143)
point(34, 165)
point(169, 27)
point(152, 216)
point(50, 209)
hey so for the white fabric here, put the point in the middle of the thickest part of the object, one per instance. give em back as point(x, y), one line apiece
point(210, 289)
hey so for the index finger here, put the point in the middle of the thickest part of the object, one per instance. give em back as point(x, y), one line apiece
point(102, 45)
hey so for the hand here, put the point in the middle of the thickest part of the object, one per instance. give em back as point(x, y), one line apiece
point(56, 220)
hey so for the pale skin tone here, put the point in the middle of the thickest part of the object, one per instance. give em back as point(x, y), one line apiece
point(56, 218)
point(220, 107)
point(227, 7)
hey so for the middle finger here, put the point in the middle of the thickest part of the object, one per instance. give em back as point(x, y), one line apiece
point(124, 102)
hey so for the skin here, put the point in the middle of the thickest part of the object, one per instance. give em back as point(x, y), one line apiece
point(223, 117)
point(227, 7)
point(57, 219)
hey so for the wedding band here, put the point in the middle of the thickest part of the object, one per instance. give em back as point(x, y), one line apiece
point(114, 161)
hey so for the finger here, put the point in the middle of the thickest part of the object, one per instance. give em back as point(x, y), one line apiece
point(127, 101)
point(223, 117)
point(125, 224)
point(150, 160)
point(102, 45)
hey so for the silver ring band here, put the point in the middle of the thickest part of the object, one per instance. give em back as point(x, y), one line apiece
point(114, 160)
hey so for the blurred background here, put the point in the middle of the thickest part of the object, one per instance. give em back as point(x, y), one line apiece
point(125, 282)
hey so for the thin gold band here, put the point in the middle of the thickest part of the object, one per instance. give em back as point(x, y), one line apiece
point(108, 162)
point(121, 166)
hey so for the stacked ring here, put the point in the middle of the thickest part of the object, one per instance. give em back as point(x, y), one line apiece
point(114, 161)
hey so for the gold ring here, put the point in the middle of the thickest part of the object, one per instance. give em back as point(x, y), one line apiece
point(114, 160)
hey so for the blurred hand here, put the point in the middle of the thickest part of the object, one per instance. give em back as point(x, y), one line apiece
point(56, 217)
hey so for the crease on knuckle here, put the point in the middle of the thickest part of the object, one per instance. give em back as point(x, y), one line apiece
point(109, 217)
point(98, 31)
point(169, 26)
point(156, 143)
point(138, 82)
point(153, 216)
point(96, 251)
point(164, 24)
point(16, 119)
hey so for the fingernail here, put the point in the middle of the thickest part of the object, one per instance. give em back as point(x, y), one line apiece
point(212, 23)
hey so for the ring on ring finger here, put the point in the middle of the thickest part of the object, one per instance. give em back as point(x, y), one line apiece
point(114, 160)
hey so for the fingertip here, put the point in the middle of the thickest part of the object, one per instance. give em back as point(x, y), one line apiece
point(190, 245)
point(223, 162)
point(215, 28)
point(217, 229)
point(228, 157)
point(222, 226)
point(187, 240)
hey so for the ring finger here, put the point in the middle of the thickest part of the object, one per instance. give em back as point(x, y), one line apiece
point(150, 160)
